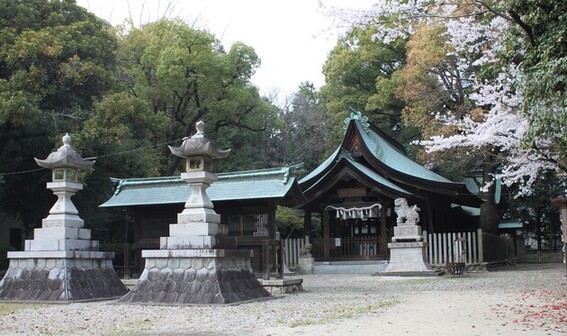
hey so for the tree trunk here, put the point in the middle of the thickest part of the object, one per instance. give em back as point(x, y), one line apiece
point(489, 210)
point(538, 228)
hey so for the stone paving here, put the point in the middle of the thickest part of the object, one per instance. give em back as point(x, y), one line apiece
point(514, 300)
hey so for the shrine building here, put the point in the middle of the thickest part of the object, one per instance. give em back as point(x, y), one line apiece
point(354, 190)
point(246, 201)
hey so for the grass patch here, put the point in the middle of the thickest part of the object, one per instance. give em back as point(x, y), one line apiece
point(342, 313)
point(143, 324)
point(130, 327)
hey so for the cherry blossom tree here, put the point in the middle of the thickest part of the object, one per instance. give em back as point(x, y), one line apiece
point(495, 47)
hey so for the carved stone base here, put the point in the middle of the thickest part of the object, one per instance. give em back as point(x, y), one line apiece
point(61, 279)
point(408, 259)
point(200, 276)
point(305, 265)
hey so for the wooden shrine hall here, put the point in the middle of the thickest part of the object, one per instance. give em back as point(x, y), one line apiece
point(246, 201)
point(354, 191)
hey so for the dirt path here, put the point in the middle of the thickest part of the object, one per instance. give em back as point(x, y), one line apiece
point(516, 300)
point(499, 310)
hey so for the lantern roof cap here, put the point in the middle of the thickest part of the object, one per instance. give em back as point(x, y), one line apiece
point(199, 144)
point(64, 157)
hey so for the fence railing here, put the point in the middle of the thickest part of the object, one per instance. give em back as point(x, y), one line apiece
point(293, 248)
point(476, 247)
point(442, 248)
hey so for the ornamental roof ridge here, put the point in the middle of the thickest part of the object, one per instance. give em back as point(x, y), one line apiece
point(357, 115)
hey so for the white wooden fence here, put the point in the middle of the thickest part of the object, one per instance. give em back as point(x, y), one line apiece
point(444, 247)
point(441, 248)
point(292, 248)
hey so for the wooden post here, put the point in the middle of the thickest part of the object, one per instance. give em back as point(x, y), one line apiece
point(383, 231)
point(138, 261)
point(265, 261)
point(326, 237)
point(480, 247)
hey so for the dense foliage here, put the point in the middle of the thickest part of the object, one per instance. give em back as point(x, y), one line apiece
point(361, 73)
point(479, 85)
point(124, 94)
point(484, 81)
point(55, 60)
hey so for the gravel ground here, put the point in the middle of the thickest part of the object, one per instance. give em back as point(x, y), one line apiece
point(524, 299)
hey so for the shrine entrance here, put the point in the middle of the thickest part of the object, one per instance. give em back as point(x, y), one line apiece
point(359, 237)
point(358, 232)
point(354, 190)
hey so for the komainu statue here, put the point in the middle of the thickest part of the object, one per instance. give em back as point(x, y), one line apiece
point(407, 215)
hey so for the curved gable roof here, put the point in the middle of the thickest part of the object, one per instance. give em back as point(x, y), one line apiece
point(359, 170)
point(385, 161)
point(387, 153)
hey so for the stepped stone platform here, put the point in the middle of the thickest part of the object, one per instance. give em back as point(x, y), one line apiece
point(196, 277)
point(76, 276)
point(408, 259)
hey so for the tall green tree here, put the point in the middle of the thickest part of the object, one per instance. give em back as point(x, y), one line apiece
point(541, 36)
point(55, 59)
point(300, 134)
point(186, 75)
point(360, 73)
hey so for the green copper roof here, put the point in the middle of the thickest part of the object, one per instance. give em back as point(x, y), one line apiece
point(379, 179)
point(322, 166)
point(378, 157)
point(245, 185)
point(395, 159)
point(363, 170)
point(385, 151)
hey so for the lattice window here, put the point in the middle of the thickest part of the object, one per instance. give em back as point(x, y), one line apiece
point(248, 225)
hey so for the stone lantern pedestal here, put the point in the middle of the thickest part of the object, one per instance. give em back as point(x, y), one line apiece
point(61, 263)
point(407, 250)
point(197, 263)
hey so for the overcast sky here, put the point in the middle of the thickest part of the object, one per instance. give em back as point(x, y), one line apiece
point(292, 37)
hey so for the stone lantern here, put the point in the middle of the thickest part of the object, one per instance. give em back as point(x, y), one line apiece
point(197, 263)
point(65, 164)
point(198, 225)
point(62, 263)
